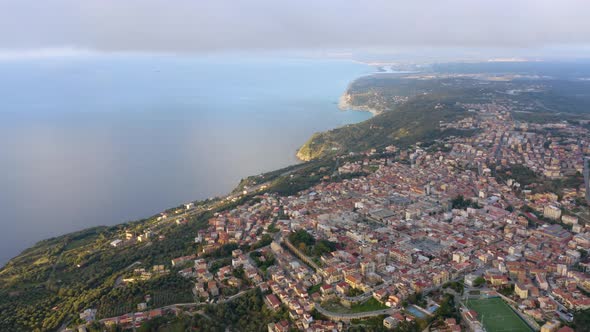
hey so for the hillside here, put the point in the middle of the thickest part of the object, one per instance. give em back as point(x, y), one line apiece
point(414, 121)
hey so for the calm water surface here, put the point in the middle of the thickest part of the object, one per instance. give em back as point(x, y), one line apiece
point(100, 140)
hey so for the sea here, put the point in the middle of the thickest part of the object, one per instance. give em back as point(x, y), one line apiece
point(102, 139)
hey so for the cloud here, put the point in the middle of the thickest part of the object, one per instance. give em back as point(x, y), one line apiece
point(213, 25)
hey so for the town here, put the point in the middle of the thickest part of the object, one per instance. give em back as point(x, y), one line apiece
point(459, 223)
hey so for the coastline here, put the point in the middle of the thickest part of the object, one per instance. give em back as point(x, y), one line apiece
point(264, 113)
point(221, 196)
point(344, 105)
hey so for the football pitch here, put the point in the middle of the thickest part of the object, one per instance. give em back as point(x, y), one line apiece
point(497, 316)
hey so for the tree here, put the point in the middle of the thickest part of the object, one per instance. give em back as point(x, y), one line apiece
point(582, 321)
point(302, 247)
point(479, 281)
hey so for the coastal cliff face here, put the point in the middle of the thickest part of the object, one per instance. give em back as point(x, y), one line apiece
point(305, 153)
point(349, 102)
point(317, 146)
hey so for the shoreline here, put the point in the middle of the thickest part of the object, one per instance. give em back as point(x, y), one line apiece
point(344, 105)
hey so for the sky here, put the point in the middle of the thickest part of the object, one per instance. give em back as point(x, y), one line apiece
point(66, 27)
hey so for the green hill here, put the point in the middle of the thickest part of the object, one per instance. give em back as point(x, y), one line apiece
point(414, 121)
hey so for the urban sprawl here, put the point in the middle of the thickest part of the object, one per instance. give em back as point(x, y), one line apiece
point(424, 223)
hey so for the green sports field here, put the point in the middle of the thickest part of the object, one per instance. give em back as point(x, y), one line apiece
point(497, 315)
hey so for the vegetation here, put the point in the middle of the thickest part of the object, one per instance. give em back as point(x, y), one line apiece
point(456, 286)
point(164, 291)
point(521, 174)
point(272, 228)
point(417, 299)
point(352, 292)
point(58, 278)
point(373, 324)
point(265, 241)
point(307, 244)
point(314, 289)
point(447, 309)
point(263, 261)
point(531, 180)
point(479, 281)
point(582, 321)
point(223, 252)
point(415, 121)
point(461, 203)
point(370, 305)
point(245, 313)
point(507, 291)
point(218, 264)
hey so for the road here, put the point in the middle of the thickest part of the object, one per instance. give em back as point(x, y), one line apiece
point(350, 316)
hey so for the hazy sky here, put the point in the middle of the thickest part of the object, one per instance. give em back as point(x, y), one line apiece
point(202, 25)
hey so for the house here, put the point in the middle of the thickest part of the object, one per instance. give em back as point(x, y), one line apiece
point(390, 322)
point(282, 326)
point(547, 304)
point(550, 326)
point(117, 243)
point(326, 289)
point(272, 302)
point(155, 313)
point(354, 280)
point(187, 273)
point(452, 325)
point(212, 287)
point(393, 301)
point(380, 295)
point(470, 318)
point(499, 280)
point(521, 290)
point(542, 281)
point(88, 315)
point(569, 220)
point(552, 212)
point(342, 287)
point(182, 260)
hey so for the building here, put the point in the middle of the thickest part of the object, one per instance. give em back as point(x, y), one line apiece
point(521, 290)
point(367, 268)
point(470, 279)
point(389, 322)
point(272, 302)
point(550, 326)
point(441, 277)
point(88, 315)
point(116, 243)
point(587, 178)
point(570, 220)
point(471, 320)
point(552, 212)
